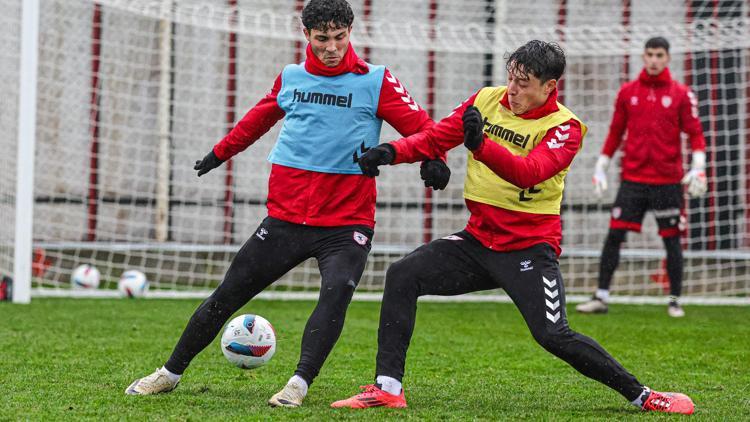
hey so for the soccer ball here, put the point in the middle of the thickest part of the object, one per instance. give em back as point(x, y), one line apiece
point(85, 277)
point(249, 341)
point(132, 284)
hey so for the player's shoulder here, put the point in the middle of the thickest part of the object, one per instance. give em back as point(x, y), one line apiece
point(491, 93)
point(629, 86)
point(681, 88)
point(377, 67)
point(293, 67)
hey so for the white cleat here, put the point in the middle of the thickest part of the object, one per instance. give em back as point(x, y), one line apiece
point(675, 310)
point(593, 306)
point(158, 382)
point(290, 396)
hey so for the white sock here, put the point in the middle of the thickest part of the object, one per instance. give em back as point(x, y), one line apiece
point(602, 294)
point(644, 395)
point(389, 385)
point(296, 379)
point(172, 377)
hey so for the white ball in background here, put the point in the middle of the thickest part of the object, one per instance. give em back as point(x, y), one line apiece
point(85, 277)
point(132, 284)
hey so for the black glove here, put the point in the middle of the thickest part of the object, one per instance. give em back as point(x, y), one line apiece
point(208, 163)
point(380, 155)
point(473, 128)
point(435, 174)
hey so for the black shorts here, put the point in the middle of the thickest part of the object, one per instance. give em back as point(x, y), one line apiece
point(634, 199)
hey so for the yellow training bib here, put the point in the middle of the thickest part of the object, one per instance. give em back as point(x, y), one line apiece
point(519, 136)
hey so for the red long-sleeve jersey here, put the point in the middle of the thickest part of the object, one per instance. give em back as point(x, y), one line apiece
point(651, 112)
point(314, 198)
point(498, 228)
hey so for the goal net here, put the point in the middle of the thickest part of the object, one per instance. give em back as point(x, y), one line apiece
point(131, 93)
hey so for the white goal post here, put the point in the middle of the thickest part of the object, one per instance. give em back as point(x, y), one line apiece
point(106, 104)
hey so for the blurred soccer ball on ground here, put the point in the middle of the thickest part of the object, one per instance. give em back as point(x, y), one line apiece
point(85, 277)
point(132, 284)
point(249, 341)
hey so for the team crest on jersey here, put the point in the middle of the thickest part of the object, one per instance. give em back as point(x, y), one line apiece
point(616, 212)
point(452, 237)
point(634, 100)
point(360, 238)
point(666, 101)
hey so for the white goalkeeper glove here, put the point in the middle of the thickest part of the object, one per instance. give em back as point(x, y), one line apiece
point(600, 175)
point(695, 179)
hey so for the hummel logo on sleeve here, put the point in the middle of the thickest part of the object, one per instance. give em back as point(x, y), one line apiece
point(560, 137)
point(261, 234)
point(405, 97)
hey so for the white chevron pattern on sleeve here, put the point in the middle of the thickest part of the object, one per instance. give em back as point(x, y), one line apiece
point(560, 137)
point(399, 88)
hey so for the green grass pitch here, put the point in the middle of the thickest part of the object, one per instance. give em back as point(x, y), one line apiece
point(73, 358)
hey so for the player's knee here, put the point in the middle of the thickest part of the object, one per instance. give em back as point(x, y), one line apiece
point(215, 307)
point(616, 236)
point(400, 277)
point(336, 294)
point(554, 340)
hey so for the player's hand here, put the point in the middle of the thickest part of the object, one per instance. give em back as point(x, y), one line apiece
point(600, 175)
point(378, 156)
point(435, 174)
point(473, 128)
point(695, 179)
point(696, 182)
point(208, 163)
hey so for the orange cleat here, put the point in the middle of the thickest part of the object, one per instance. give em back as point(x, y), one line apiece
point(669, 403)
point(372, 396)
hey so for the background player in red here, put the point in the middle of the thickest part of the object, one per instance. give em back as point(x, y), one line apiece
point(651, 113)
point(319, 203)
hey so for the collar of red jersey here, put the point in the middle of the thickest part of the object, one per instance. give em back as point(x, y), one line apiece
point(350, 63)
point(549, 107)
point(664, 77)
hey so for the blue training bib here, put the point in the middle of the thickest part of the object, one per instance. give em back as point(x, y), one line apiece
point(328, 119)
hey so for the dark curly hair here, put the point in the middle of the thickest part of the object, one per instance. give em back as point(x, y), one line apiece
point(542, 59)
point(325, 14)
point(657, 42)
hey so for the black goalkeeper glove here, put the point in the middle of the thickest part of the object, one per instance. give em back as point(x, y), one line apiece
point(378, 156)
point(435, 174)
point(208, 163)
point(473, 128)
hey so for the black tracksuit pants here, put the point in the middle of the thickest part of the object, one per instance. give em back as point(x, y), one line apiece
point(275, 248)
point(459, 264)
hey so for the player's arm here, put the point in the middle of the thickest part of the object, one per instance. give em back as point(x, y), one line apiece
point(425, 145)
point(400, 110)
point(617, 126)
point(695, 179)
point(256, 122)
point(614, 139)
point(552, 155)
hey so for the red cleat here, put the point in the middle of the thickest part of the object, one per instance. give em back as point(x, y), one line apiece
point(372, 396)
point(669, 403)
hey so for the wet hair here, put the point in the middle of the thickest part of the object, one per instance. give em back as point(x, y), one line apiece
point(544, 60)
point(657, 42)
point(327, 14)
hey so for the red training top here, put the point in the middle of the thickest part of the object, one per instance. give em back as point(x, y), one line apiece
point(651, 111)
